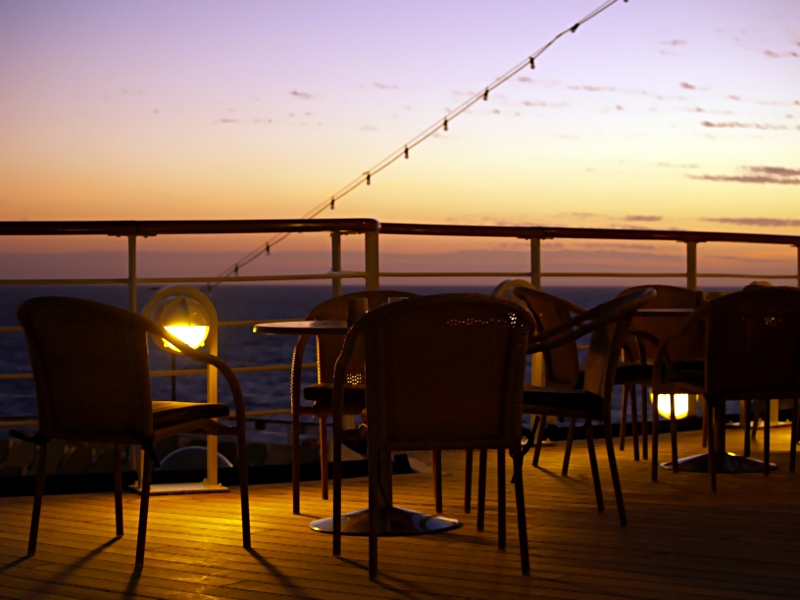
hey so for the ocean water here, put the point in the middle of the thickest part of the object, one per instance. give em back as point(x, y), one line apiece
point(238, 346)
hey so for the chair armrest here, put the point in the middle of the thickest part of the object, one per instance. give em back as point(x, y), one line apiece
point(641, 336)
point(209, 359)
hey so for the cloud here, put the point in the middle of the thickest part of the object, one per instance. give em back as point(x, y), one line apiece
point(688, 86)
point(525, 79)
point(301, 95)
point(758, 174)
point(368, 128)
point(755, 221)
point(772, 54)
point(592, 88)
point(678, 166)
point(385, 86)
point(673, 43)
point(229, 120)
point(542, 103)
point(643, 218)
point(739, 125)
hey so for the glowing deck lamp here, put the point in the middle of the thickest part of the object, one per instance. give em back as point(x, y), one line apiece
point(187, 320)
point(190, 316)
point(681, 405)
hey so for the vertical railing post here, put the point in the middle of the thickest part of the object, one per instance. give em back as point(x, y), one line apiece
point(536, 262)
point(132, 273)
point(798, 265)
point(336, 262)
point(372, 261)
point(691, 266)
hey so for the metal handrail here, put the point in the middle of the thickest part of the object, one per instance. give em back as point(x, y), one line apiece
point(372, 229)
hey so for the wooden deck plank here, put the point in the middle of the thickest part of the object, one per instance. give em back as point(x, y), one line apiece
point(681, 541)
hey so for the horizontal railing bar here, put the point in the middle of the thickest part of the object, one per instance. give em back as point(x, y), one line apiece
point(584, 233)
point(250, 369)
point(180, 372)
point(248, 278)
point(10, 329)
point(152, 228)
point(63, 281)
point(744, 276)
point(522, 274)
point(147, 280)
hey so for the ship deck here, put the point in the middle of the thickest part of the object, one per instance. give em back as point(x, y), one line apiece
point(681, 541)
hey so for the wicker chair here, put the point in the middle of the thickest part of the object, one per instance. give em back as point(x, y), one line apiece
point(608, 323)
point(90, 367)
point(328, 349)
point(637, 367)
point(429, 359)
point(752, 351)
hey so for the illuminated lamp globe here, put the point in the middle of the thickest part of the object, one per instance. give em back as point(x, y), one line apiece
point(681, 405)
point(186, 319)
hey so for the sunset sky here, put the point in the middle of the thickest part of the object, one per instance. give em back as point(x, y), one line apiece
point(679, 114)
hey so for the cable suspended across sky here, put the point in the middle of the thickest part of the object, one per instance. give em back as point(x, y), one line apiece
point(404, 151)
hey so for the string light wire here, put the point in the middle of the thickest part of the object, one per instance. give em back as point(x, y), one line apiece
point(403, 152)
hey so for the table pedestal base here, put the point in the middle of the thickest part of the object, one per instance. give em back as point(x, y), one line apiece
point(730, 464)
point(392, 521)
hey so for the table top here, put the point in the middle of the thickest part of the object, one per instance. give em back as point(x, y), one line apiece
point(303, 327)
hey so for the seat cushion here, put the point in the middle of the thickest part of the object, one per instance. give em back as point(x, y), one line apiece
point(564, 401)
point(355, 397)
point(167, 413)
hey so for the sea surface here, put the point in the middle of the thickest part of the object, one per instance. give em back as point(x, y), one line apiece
point(238, 346)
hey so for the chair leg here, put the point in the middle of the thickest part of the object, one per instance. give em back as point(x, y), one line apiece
point(598, 492)
point(481, 488)
point(539, 439)
point(766, 439)
point(793, 442)
point(37, 500)
point(468, 482)
point(373, 513)
point(746, 418)
point(705, 427)
point(568, 447)
point(644, 422)
point(436, 471)
point(147, 474)
point(623, 418)
point(118, 489)
point(323, 455)
point(654, 432)
point(337, 488)
point(244, 489)
point(712, 462)
point(612, 463)
point(295, 463)
point(634, 423)
point(501, 499)
point(673, 433)
point(522, 526)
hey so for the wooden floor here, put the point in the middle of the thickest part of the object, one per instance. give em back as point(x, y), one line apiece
point(682, 541)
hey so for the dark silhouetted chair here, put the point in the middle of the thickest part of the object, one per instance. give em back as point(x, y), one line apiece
point(90, 366)
point(608, 323)
point(752, 352)
point(637, 367)
point(443, 372)
point(328, 349)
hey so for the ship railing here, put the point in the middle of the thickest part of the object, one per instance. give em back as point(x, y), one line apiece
point(371, 275)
